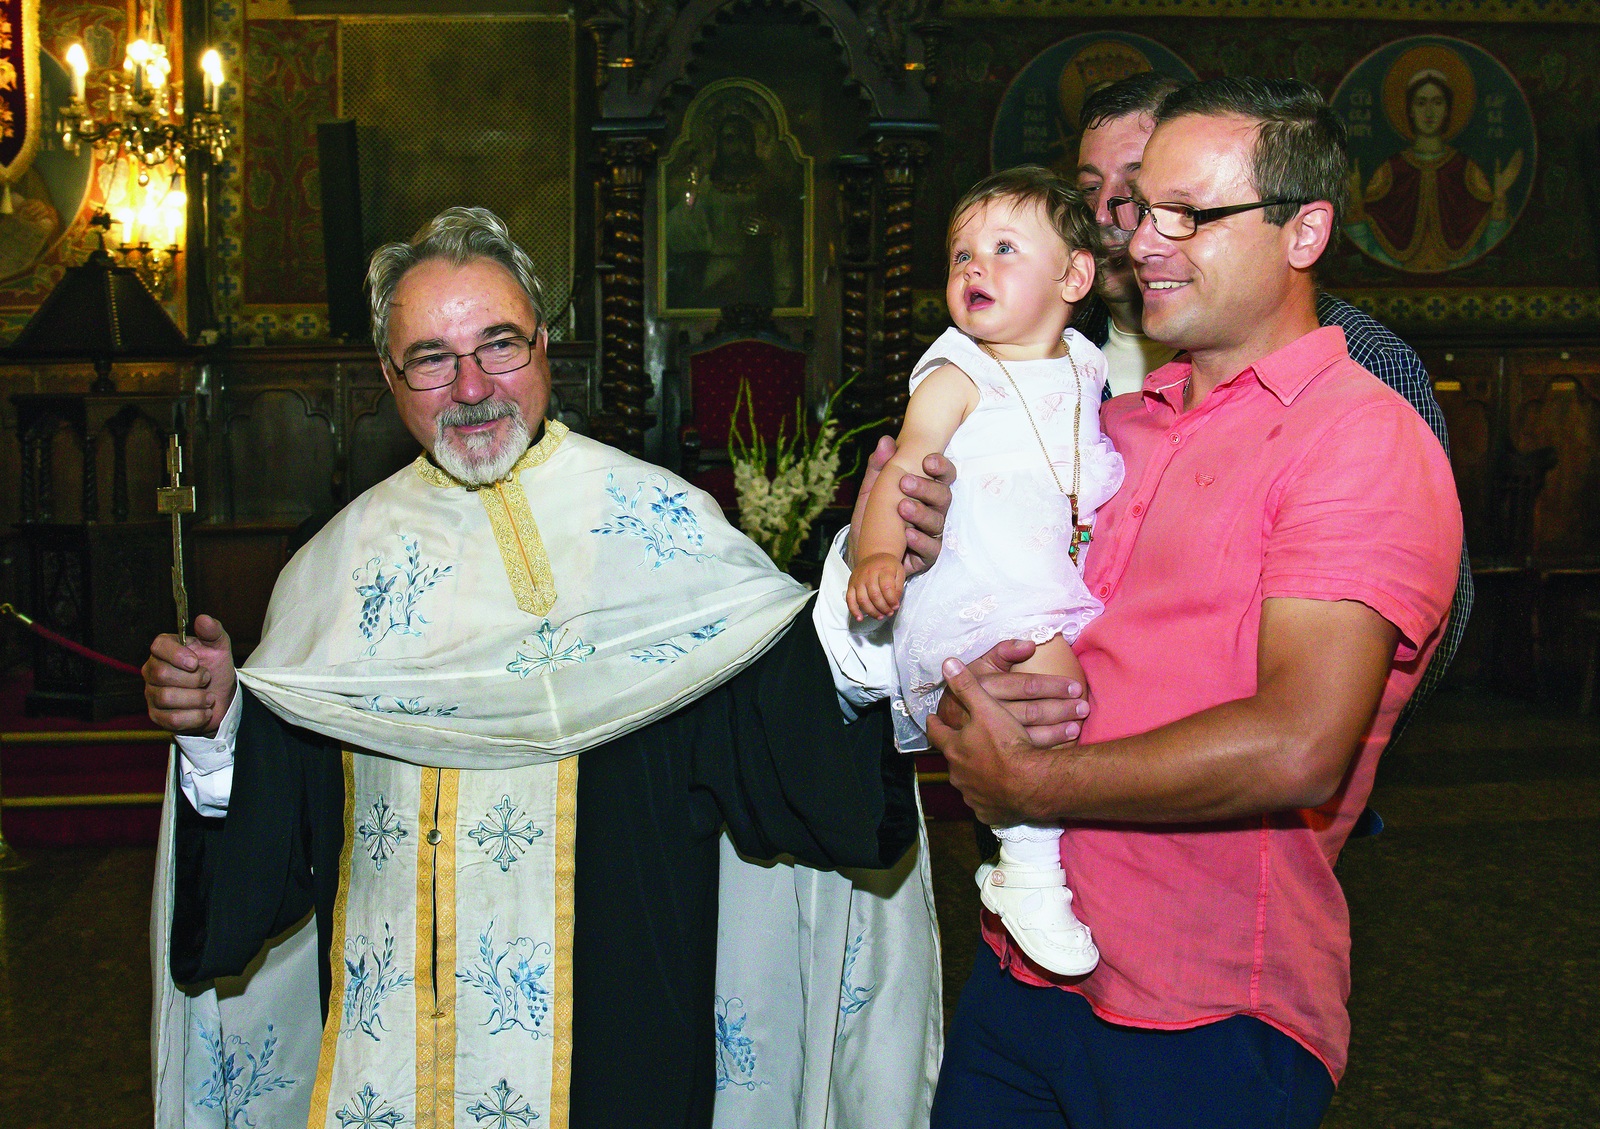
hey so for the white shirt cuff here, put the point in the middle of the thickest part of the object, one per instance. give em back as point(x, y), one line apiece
point(861, 654)
point(205, 764)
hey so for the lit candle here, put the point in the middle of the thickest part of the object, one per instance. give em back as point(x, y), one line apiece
point(138, 57)
point(211, 65)
point(149, 220)
point(175, 206)
point(79, 62)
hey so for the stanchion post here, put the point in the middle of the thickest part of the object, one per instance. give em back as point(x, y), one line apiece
point(9, 859)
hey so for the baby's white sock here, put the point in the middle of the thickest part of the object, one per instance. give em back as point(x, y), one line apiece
point(1027, 845)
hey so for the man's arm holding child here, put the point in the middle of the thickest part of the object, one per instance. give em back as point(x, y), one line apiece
point(1322, 666)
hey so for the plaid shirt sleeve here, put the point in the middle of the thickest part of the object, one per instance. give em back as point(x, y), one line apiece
point(1376, 348)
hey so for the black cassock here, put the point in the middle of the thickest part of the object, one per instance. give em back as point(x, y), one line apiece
point(767, 754)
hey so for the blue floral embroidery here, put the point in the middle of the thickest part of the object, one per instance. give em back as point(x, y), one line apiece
point(366, 1110)
point(389, 596)
point(525, 1001)
point(852, 997)
point(370, 976)
point(505, 1113)
point(548, 651)
point(502, 835)
point(670, 650)
point(410, 707)
point(381, 832)
point(736, 1051)
point(238, 1077)
point(670, 519)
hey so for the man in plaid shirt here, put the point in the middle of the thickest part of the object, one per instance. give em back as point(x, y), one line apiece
point(1116, 121)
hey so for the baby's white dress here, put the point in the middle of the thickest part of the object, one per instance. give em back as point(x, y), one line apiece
point(1004, 571)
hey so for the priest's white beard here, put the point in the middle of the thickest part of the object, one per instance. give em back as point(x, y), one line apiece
point(478, 460)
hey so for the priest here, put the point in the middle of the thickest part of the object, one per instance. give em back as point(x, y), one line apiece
point(391, 893)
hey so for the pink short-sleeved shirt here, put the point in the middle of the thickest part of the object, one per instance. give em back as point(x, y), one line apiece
point(1304, 476)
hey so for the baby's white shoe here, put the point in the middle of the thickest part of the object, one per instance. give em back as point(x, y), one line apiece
point(1036, 907)
point(985, 868)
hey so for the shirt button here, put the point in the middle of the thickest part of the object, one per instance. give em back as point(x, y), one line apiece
point(1176, 438)
point(1105, 590)
point(435, 837)
point(1138, 508)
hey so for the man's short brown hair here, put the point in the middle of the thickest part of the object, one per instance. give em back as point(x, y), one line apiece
point(1301, 151)
point(1059, 198)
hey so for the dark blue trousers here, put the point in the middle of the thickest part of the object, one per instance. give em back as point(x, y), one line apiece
point(1020, 1057)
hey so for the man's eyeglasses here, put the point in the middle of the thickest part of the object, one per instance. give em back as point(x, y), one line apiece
point(436, 370)
point(1178, 221)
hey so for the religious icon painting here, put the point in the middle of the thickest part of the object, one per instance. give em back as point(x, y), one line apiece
point(1037, 122)
point(43, 187)
point(1442, 149)
point(736, 207)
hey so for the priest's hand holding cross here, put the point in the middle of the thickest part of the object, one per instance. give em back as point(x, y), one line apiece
point(189, 685)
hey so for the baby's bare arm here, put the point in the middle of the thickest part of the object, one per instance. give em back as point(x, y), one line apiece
point(1055, 657)
point(936, 409)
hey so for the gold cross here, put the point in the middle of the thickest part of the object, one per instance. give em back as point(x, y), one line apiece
point(1081, 534)
point(177, 500)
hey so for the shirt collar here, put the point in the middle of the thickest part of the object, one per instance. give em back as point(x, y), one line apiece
point(1285, 373)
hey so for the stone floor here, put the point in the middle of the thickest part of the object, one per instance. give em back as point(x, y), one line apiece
point(1476, 927)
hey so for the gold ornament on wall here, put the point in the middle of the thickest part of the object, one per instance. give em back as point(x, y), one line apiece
point(19, 93)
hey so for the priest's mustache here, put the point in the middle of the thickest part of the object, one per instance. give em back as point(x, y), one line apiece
point(485, 411)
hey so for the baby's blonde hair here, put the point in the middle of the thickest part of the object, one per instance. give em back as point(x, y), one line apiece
point(1063, 204)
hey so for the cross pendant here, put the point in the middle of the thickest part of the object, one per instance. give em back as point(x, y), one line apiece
point(1081, 534)
point(176, 499)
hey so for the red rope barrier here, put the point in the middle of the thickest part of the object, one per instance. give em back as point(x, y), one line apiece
point(69, 644)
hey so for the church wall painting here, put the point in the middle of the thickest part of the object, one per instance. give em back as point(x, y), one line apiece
point(432, 132)
point(290, 85)
point(736, 195)
point(1540, 276)
point(1037, 122)
point(1443, 153)
point(48, 230)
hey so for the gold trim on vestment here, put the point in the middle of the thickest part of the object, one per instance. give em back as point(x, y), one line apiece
point(533, 582)
point(423, 978)
point(566, 831)
point(527, 565)
point(444, 932)
point(330, 1029)
point(436, 950)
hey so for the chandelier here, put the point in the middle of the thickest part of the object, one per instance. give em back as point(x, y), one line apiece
point(143, 132)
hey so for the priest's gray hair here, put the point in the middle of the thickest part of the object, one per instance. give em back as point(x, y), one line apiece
point(455, 235)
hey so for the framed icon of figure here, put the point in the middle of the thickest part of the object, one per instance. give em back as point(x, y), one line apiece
point(1442, 150)
point(736, 208)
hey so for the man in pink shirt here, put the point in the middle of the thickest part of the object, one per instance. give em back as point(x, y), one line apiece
point(1276, 572)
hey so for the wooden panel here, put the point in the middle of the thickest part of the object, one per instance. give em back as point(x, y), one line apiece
point(231, 574)
point(279, 458)
point(1554, 401)
point(1466, 383)
point(379, 444)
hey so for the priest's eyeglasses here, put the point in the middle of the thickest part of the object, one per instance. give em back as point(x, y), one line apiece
point(436, 370)
point(1178, 221)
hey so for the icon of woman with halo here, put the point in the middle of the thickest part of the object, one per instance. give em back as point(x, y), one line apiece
point(1430, 207)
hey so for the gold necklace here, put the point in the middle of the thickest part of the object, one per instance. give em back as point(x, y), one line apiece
point(1081, 533)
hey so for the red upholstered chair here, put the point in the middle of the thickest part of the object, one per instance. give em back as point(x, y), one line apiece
point(776, 372)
